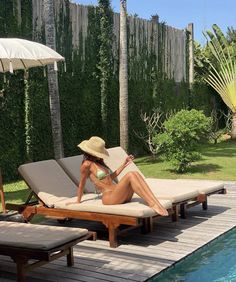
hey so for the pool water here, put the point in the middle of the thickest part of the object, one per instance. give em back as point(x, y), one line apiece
point(214, 262)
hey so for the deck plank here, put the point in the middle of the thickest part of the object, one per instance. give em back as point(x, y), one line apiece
point(139, 256)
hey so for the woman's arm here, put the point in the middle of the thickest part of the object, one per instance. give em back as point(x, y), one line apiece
point(127, 161)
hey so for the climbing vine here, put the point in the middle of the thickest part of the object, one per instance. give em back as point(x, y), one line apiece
point(105, 59)
point(89, 88)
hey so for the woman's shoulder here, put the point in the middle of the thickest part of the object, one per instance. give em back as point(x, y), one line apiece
point(86, 164)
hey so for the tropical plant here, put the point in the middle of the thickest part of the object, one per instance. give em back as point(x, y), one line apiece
point(182, 134)
point(219, 117)
point(153, 125)
point(123, 78)
point(231, 37)
point(201, 62)
point(222, 75)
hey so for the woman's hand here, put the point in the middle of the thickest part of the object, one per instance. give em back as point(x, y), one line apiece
point(128, 160)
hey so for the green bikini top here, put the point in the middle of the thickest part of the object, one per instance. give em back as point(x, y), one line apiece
point(102, 174)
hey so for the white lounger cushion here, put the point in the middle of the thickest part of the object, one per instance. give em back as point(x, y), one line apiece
point(171, 190)
point(38, 237)
point(93, 203)
point(203, 186)
point(71, 165)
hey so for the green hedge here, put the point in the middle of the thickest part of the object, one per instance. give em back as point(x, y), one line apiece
point(80, 93)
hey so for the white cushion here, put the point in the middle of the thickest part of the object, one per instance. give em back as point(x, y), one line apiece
point(171, 190)
point(203, 186)
point(93, 203)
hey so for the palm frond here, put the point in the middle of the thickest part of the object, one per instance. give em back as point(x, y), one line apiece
point(220, 36)
point(222, 76)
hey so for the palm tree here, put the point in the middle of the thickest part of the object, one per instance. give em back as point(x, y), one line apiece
point(54, 101)
point(222, 76)
point(123, 78)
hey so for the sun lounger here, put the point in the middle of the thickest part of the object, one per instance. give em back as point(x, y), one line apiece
point(54, 189)
point(42, 244)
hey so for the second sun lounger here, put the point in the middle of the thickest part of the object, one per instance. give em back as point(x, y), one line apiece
point(42, 244)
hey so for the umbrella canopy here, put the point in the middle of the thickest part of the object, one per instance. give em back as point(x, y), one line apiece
point(18, 54)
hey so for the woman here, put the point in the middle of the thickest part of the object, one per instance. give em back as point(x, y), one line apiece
point(103, 178)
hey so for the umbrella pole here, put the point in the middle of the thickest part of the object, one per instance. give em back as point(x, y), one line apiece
point(2, 194)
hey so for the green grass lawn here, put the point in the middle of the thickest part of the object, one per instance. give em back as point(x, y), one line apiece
point(17, 192)
point(218, 162)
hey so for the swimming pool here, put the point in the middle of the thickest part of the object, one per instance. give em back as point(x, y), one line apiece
point(214, 262)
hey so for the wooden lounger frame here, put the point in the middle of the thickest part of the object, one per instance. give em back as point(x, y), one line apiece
point(202, 198)
point(111, 221)
point(21, 255)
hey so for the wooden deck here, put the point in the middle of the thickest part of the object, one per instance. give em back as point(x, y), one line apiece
point(139, 256)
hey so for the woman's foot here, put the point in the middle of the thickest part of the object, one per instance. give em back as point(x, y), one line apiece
point(160, 210)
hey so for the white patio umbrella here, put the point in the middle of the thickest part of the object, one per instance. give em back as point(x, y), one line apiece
point(18, 54)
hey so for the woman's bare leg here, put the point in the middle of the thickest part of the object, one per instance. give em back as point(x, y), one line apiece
point(149, 193)
point(120, 195)
point(145, 186)
point(143, 190)
point(132, 183)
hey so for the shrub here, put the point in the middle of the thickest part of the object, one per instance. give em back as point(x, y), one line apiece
point(182, 134)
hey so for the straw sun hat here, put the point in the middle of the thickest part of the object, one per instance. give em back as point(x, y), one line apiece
point(95, 146)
